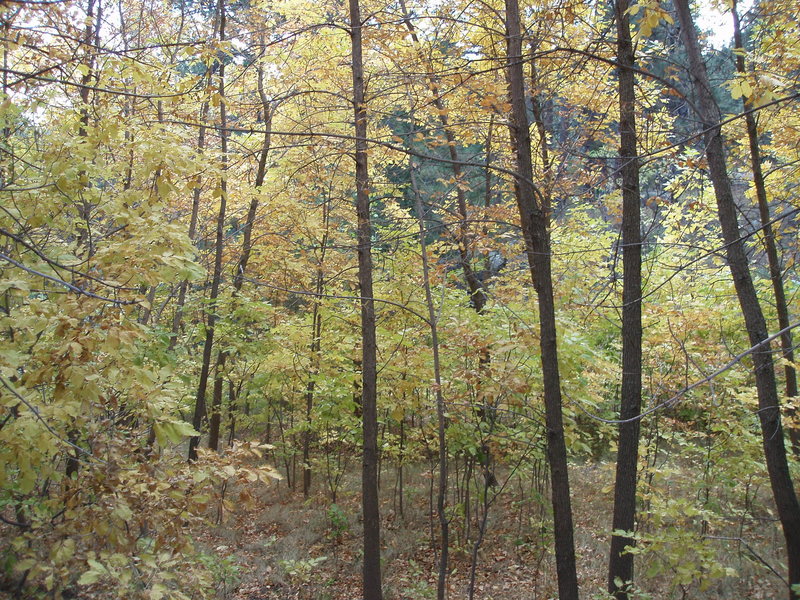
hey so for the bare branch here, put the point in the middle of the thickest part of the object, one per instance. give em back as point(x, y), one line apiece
point(71, 287)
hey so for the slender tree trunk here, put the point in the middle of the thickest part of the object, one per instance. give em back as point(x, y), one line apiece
point(247, 244)
point(177, 318)
point(215, 420)
point(535, 220)
point(7, 162)
point(401, 461)
point(620, 565)
point(768, 405)
point(369, 477)
point(440, 408)
point(232, 409)
point(222, 357)
point(314, 348)
point(537, 110)
point(211, 312)
point(261, 173)
point(775, 272)
point(91, 38)
point(477, 294)
point(147, 309)
point(482, 523)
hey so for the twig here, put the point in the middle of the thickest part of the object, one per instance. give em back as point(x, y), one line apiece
point(35, 412)
point(674, 399)
point(73, 288)
point(751, 551)
point(321, 295)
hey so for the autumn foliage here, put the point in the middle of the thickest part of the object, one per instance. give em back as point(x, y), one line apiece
point(193, 195)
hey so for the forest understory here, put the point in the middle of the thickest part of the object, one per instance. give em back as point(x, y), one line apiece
point(278, 546)
point(399, 299)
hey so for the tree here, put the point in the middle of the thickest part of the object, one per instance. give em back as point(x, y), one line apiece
point(773, 260)
point(441, 418)
point(535, 218)
point(221, 192)
point(763, 367)
point(620, 566)
point(369, 475)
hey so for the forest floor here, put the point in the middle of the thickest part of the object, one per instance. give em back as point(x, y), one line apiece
point(276, 545)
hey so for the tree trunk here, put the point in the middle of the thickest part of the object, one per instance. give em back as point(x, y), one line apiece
point(440, 408)
point(477, 294)
point(768, 405)
point(211, 312)
point(314, 348)
point(369, 478)
point(535, 219)
point(316, 344)
point(91, 40)
point(620, 565)
point(775, 272)
point(215, 419)
point(177, 318)
point(216, 402)
point(247, 245)
point(232, 409)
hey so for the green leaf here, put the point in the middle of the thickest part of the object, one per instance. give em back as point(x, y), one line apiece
point(173, 431)
point(89, 577)
point(96, 571)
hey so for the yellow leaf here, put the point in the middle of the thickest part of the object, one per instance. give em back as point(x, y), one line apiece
point(633, 9)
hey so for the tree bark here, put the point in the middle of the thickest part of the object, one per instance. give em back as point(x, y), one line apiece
point(775, 272)
point(247, 244)
point(211, 312)
point(216, 402)
point(232, 409)
point(215, 420)
point(620, 565)
point(535, 221)
point(763, 367)
point(91, 40)
point(371, 571)
point(314, 349)
point(177, 318)
point(441, 419)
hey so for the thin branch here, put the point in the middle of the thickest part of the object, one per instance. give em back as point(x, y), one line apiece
point(674, 399)
point(35, 412)
point(73, 288)
point(58, 265)
point(751, 551)
point(320, 295)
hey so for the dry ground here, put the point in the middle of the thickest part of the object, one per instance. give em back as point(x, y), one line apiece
point(278, 546)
